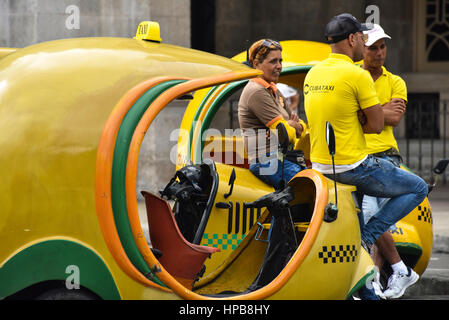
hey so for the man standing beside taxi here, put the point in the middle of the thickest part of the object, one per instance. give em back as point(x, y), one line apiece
point(392, 93)
point(337, 91)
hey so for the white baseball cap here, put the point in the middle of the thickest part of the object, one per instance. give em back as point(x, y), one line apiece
point(375, 34)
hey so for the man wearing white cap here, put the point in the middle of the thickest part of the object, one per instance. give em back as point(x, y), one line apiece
point(392, 94)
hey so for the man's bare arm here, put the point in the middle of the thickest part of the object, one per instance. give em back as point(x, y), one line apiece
point(393, 111)
point(374, 119)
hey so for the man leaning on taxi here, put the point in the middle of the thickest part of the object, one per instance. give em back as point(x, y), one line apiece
point(392, 93)
point(337, 91)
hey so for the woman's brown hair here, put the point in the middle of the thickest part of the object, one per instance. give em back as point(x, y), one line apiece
point(260, 49)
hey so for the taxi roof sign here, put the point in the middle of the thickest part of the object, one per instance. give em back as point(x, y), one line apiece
point(149, 30)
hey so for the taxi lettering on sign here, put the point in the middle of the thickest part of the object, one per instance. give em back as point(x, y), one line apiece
point(149, 30)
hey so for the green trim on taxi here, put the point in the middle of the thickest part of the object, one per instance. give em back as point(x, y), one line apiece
point(118, 180)
point(49, 260)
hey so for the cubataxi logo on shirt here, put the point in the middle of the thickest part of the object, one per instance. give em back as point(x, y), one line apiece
point(318, 88)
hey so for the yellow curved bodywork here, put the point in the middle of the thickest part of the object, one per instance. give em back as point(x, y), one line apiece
point(55, 99)
point(414, 235)
point(328, 263)
point(298, 52)
point(5, 51)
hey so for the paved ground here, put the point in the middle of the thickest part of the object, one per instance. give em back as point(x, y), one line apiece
point(434, 283)
point(439, 201)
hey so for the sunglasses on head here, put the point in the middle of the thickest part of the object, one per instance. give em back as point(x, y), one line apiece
point(267, 44)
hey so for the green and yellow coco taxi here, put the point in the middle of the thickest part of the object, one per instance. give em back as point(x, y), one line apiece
point(73, 115)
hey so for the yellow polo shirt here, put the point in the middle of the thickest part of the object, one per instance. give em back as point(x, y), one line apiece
point(388, 86)
point(334, 90)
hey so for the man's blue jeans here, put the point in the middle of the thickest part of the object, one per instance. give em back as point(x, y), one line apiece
point(370, 205)
point(274, 177)
point(380, 178)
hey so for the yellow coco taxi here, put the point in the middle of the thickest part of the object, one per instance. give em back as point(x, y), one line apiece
point(74, 114)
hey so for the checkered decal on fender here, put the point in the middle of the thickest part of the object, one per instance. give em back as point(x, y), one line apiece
point(223, 241)
point(424, 214)
point(340, 253)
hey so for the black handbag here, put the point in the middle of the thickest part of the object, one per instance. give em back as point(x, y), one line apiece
point(296, 156)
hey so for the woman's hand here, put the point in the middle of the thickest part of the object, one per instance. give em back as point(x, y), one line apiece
point(294, 116)
point(294, 122)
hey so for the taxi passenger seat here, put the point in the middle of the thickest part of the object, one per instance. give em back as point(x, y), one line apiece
point(182, 259)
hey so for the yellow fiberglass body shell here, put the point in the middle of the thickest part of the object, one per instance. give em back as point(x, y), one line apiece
point(414, 236)
point(55, 99)
point(328, 252)
point(5, 51)
point(335, 256)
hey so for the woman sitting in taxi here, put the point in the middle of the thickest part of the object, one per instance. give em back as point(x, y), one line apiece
point(261, 108)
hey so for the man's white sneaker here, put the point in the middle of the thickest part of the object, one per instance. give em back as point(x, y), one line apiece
point(399, 282)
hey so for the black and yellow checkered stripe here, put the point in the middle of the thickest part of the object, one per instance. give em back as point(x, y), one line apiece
point(424, 214)
point(338, 253)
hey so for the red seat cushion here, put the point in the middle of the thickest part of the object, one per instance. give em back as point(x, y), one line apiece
point(179, 257)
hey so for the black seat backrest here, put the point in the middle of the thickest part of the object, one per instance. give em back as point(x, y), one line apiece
point(194, 187)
